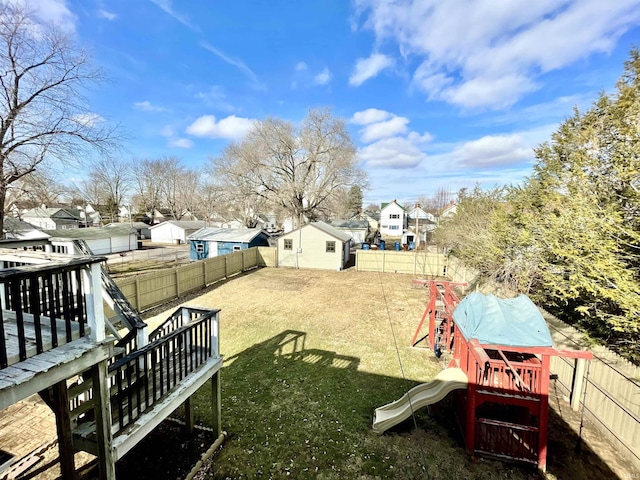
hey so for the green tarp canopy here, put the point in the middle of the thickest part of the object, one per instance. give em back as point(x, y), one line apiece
point(512, 322)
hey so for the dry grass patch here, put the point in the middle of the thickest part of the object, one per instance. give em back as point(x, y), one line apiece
point(309, 355)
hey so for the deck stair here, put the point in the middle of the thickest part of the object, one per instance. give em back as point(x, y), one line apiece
point(148, 383)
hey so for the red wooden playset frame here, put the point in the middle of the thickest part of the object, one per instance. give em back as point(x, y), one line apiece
point(504, 411)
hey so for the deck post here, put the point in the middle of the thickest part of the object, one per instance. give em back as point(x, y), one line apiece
point(543, 426)
point(92, 280)
point(63, 425)
point(102, 409)
point(188, 415)
point(216, 411)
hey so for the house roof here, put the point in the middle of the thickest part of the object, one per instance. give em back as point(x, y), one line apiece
point(372, 215)
point(237, 235)
point(350, 224)
point(136, 225)
point(15, 228)
point(385, 205)
point(90, 233)
point(184, 224)
point(328, 229)
point(40, 212)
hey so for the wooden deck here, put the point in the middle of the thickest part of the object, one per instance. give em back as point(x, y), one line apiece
point(154, 411)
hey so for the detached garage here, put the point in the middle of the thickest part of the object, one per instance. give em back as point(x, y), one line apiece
point(315, 245)
point(174, 231)
point(101, 241)
point(212, 242)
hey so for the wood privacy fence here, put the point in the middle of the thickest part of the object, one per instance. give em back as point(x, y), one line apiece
point(152, 289)
point(611, 387)
point(416, 262)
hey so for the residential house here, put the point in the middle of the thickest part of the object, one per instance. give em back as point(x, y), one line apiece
point(142, 229)
point(373, 218)
point(314, 245)
point(53, 218)
point(448, 211)
point(174, 231)
point(101, 240)
point(211, 242)
point(421, 223)
point(357, 229)
point(393, 219)
point(16, 229)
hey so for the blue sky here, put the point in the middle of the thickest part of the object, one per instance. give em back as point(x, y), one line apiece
point(437, 94)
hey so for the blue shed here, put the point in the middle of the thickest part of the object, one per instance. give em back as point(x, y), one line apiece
point(211, 242)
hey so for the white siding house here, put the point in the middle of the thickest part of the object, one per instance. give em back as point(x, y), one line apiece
point(393, 219)
point(357, 229)
point(174, 231)
point(315, 245)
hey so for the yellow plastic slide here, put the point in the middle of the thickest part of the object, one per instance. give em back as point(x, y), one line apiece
point(419, 396)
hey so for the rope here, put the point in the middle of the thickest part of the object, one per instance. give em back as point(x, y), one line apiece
point(404, 378)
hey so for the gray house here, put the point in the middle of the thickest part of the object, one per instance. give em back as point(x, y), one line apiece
point(315, 245)
point(211, 242)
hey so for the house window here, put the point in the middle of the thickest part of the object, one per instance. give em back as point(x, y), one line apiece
point(199, 248)
point(288, 244)
point(237, 248)
point(394, 215)
point(331, 247)
point(394, 227)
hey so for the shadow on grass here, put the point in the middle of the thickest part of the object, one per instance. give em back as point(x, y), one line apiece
point(305, 413)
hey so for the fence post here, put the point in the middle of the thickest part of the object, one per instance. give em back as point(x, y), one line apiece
point(204, 271)
point(242, 252)
point(226, 266)
point(577, 384)
point(138, 306)
point(177, 283)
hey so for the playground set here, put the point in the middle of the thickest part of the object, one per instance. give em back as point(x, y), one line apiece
point(498, 371)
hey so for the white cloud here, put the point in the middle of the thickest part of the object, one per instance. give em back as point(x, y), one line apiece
point(239, 64)
point(180, 143)
point(301, 67)
point(167, 7)
point(388, 128)
point(232, 127)
point(493, 53)
point(167, 131)
point(492, 151)
point(53, 12)
point(106, 14)
point(396, 152)
point(367, 68)
point(147, 106)
point(370, 115)
point(323, 77)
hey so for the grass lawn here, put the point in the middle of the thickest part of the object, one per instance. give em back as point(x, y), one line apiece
point(309, 355)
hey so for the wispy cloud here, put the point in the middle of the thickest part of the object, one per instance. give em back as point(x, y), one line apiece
point(501, 51)
point(50, 12)
point(147, 106)
point(167, 7)
point(180, 143)
point(323, 77)
point(300, 67)
point(106, 14)
point(239, 64)
point(367, 68)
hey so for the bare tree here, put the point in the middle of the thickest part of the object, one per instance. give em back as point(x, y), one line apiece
point(436, 202)
point(107, 186)
point(297, 169)
point(43, 112)
point(43, 187)
point(148, 177)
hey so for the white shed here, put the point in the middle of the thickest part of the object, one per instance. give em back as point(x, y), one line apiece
point(315, 245)
point(174, 231)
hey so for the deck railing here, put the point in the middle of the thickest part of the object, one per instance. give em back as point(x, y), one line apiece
point(144, 377)
point(506, 440)
point(42, 306)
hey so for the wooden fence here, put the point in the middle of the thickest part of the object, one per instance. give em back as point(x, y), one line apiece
point(416, 262)
point(152, 289)
point(611, 387)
